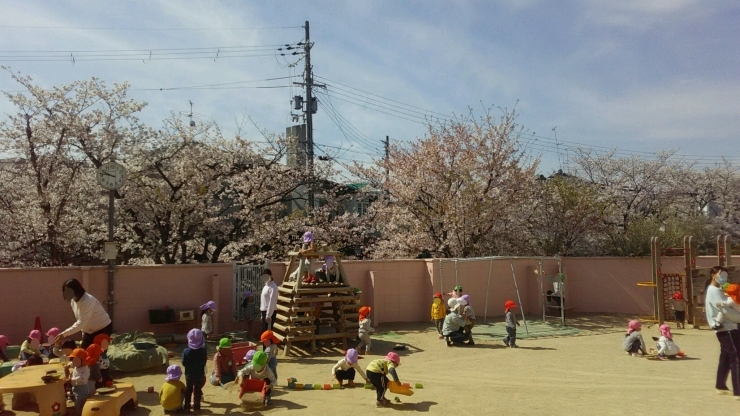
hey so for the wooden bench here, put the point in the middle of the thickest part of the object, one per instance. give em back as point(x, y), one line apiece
point(111, 404)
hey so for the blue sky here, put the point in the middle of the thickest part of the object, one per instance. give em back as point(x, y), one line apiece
point(641, 76)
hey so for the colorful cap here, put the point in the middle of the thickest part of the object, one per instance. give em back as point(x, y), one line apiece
point(438, 295)
point(678, 296)
point(269, 335)
point(100, 338)
point(248, 293)
point(509, 304)
point(466, 298)
point(79, 353)
point(329, 261)
point(224, 343)
point(195, 339)
point(352, 356)
point(365, 311)
point(634, 324)
point(250, 354)
point(35, 334)
point(665, 330)
point(53, 332)
point(392, 356)
point(93, 353)
point(174, 372)
point(308, 237)
point(457, 288)
point(208, 305)
point(733, 291)
point(259, 359)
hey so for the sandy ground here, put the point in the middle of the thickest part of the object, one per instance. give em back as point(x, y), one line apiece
point(586, 374)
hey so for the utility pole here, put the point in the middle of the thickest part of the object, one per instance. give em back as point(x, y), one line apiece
point(309, 118)
point(386, 144)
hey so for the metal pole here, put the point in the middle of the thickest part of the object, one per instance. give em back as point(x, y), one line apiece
point(488, 290)
point(111, 262)
point(562, 292)
point(309, 117)
point(441, 278)
point(457, 282)
point(542, 291)
point(519, 298)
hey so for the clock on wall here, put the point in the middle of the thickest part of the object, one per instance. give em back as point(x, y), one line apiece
point(111, 176)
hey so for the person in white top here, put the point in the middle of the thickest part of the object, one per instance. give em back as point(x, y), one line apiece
point(347, 368)
point(666, 347)
point(728, 335)
point(92, 319)
point(268, 300)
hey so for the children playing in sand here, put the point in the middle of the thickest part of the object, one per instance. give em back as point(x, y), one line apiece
point(224, 364)
point(259, 370)
point(194, 359)
point(511, 324)
point(633, 342)
point(679, 305)
point(733, 301)
point(377, 373)
point(666, 347)
point(439, 311)
point(172, 392)
point(347, 368)
point(365, 329)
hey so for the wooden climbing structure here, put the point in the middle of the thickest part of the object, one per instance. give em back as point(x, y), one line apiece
point(309, 310)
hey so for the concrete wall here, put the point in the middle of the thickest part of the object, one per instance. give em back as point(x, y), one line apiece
point(397, 290)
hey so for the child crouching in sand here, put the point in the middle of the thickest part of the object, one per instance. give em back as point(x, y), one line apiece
point(666, 347)
point(633, 342)
point(347, 367)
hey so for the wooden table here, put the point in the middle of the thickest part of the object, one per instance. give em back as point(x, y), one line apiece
point(110, 404)
point(27, 381)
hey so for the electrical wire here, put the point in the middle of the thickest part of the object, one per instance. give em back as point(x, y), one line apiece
point(223, 84)
point(348, 128)
point(362, 138)
point(144, 29)
point(341, 127)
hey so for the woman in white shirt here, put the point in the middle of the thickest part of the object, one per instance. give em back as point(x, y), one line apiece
point(268, 300)
point(727, 335)
point(92, 319)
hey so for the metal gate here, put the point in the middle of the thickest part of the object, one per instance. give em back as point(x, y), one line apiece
point(247, 277)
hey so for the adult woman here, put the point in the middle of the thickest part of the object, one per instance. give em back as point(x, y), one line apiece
point(92, 319)
point(268, 300)
point(727, 334)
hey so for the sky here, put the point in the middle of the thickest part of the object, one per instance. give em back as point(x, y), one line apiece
point(631, 75)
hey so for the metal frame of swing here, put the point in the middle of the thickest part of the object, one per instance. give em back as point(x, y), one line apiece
point(516, 285)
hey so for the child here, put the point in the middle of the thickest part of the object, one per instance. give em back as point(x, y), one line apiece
point(249, 355)
point(93, 355)
point(51, 339)
point(194, 359)
point(365, 329)
point(269, 346)
point(64, 350)
point(224, 365)
point(732, 301)
point(258, 369)
point(3, 344)
point(511, 324)
point(79, 378)
point(346, 368)
point(377, 372)
point(469, 318)
point(172, 393)
point(456, 292)
point(103, 340)
point(679, 304)
point(438, 312)
point(666, 347)
point(206, 318)
point(633, 341)
point(31, 346)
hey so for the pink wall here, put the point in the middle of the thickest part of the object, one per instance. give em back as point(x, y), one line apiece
point(398, 290)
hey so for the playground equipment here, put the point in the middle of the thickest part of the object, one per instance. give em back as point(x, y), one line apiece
point(691, 283)
point(559, 288)
point(303, 309)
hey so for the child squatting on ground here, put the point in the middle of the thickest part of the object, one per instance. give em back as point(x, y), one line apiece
point(347, 368)
point(172, 393)
point(679, 305)
point(365, 329)
point(258, 370)
point(733, 301)
point(224, 364)
point(194, 359)
point(439, 311)
point(633, 342)
point(666, 347)
point(511, 324)
point(377, 372)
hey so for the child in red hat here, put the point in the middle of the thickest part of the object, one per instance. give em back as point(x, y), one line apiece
point(511, 324)
point(439, 311)
point(679, 304)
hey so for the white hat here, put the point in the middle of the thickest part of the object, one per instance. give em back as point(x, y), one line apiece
point(462, 302)
point(451, 303)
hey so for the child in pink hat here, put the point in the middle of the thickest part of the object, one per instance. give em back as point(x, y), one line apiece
point(666, 347)
point(3, 343)
point(31, 346)
point(633, 342)
point(172, 393)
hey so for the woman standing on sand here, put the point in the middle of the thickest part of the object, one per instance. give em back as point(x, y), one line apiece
point(727, 335)
point(92, 319)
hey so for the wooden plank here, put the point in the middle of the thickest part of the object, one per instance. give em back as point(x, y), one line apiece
point(351, 316)
point(285, 308)
point(289, 329)
point(301, 318)
point(319, 336)
point(309, 288)
point(285, 299)
point(314, 253)
point(323, 299)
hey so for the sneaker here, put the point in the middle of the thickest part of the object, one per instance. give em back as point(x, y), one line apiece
point(441, 336)
point(379, 404)
point(471, 342)
point(717, 326)
point(386, 401)
point(723, 391)
point(514, 346)
point(267, 402)
point(449, 343)
point(508, 345)
point(350, 383)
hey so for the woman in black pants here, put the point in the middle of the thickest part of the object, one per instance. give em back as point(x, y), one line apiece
point(268, 300)
point(92, 319)
point(727, 333)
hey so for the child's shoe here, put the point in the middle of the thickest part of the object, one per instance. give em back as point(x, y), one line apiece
point(507, 343)
point(379, 404)
point(514, 346)
point(717, 326)
point(351, 383)
point(267, 402)
point(386, 401)
point(441, 336)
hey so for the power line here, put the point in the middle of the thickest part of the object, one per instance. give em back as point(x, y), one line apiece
point(360, 137)
point(337, 119)
point(209, 48)
point(144, 29)
point(208, 86)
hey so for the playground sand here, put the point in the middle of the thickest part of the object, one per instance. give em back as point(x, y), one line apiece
point(585, 374)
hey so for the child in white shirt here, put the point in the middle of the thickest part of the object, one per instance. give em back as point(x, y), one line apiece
point(347, 367)
point(732, 301)
point(79, 378)
point(666, 347)
point(679, 305)
point(365, 329)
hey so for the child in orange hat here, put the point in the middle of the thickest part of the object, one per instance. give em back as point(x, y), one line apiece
point(93, 355)
point(364, 330)
point(103, 340)
point(733, 301)
point(511, 324)
point(269, 346)
point(79, 378)
point(438, 313)
point(679, 305)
